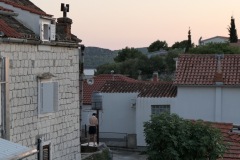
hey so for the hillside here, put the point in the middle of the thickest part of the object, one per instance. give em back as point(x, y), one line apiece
point(95, 56)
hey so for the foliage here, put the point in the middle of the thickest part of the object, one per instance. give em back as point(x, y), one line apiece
point(170, 137)
point(232, 32)
point(181, 45)
point(215, 48)
point(157, 45)
point(170, 62)
point(128, 53)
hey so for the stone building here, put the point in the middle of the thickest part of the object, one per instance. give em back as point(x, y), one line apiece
point(39, 74)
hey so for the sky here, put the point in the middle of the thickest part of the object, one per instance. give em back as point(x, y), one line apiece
point(116, 24)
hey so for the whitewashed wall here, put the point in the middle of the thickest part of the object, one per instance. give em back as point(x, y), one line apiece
point(143, 114)
point(214, 40)
point(195, 103)
point(117, 114)
point(231, 105)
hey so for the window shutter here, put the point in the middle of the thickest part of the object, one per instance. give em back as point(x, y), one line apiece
point(49, 97)
point(41, 31)
point(52, 32)
point(55, 96)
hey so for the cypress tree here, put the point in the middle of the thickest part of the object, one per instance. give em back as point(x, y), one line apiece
point(232, 32)
point(189, 42)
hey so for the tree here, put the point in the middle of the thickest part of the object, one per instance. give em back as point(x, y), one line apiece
point(181, 45)
point(157, 45)
point(128, 53)
point(233, 32)
point(215, 48)
point(170, 137)
point(189, 42)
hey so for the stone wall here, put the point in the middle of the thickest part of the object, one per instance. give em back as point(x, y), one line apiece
point(61, 128)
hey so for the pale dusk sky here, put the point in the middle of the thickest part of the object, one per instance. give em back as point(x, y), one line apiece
point(115, 24)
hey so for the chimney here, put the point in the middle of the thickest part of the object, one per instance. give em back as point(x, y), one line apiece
point(155, 77)
point(64, 23)
point(218, 78)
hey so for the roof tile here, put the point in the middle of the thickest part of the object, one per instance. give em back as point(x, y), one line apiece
point(201, 69)
point(26, 5)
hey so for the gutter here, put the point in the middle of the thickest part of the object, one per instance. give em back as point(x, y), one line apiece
point(39, 42)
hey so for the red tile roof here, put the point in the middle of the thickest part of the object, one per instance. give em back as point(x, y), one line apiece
point(14, 29)
point(201, 69)
point(232, 140)
point(98, 83)
point(144, 89)
point(26, 5)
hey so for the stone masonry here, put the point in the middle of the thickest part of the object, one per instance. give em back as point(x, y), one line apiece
point(61, 128)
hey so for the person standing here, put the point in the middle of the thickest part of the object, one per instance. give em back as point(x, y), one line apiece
point(93, 123)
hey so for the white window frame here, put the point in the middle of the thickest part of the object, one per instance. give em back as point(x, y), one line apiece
point(158, 109)
point(47, 30)
point(55, 96)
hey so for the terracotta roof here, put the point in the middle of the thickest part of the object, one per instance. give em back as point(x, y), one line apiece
point(145, 89)
point(201, 69)
point(98, 83)
point(232, 140)
point(26, 5)
point(14, 29)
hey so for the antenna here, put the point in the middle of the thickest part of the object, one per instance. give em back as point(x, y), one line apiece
point(64, 9)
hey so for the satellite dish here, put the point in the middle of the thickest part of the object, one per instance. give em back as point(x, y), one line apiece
point(90, 81)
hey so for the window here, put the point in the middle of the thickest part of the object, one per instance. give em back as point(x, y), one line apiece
point(158, 109)
point(46, 152)
point(48, 97)
point(47, 31)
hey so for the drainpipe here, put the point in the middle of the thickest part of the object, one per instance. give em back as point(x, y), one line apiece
point(81, 62)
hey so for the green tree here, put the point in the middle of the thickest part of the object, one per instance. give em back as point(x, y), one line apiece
point(128, 53)
point(170, 137)
point(157, 45)
point(233, 32)
point(215, 48)
point(181, 45)
point(170, 62)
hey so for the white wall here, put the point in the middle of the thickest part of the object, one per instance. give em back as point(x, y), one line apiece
point(143, 114)
point(195, 103)
point(231, 105)
point(117, 114)
point(214, 40)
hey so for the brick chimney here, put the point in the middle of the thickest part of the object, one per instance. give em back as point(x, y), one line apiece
point(218, 77)
point(155, 77)
point(64, 27)
point(64, 24)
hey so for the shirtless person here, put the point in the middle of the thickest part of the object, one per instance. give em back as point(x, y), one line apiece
point(93, 122)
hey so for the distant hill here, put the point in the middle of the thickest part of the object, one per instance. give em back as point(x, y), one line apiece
point(95, 56)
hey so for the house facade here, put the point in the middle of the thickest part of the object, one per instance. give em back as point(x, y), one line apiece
point(216, 39)
point(127, 105)
point(39, 81)
point(208, 87)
